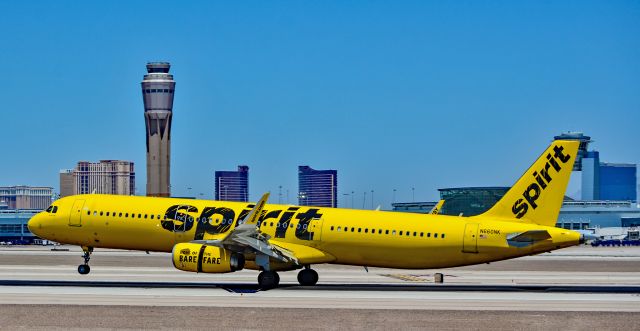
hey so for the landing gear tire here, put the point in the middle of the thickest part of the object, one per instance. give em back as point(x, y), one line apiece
point(83, 269)
point(268, 280)
point(307, 277)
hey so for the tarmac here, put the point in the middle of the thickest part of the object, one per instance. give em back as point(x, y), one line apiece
point(577, 288)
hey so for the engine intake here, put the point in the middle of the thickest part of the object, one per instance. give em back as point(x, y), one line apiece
point(203, 258)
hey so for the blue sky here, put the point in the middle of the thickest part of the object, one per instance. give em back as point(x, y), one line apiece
point(393, 94)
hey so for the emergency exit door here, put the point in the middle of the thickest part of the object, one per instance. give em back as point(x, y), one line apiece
point(470, 240)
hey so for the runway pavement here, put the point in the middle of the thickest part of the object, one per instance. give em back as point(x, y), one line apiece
point(572, 282)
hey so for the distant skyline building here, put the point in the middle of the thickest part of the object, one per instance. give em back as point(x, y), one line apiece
point(158, 89)
point(317, 187)
point(607, 181)
point(104, 177)
point(232, 185)
point(25, 197)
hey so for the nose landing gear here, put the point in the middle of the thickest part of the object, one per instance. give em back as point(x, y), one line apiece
point(84, 269)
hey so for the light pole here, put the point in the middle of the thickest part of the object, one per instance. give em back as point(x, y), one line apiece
point(413, 194)
point(393, 198)
point(346, 197)
point(353, 194)
point(364, 199)
point(371, 199)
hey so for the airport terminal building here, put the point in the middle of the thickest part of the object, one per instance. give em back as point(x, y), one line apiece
point(17, 205)
point(574, 214)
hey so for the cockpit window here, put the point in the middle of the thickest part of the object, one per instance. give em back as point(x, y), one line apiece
point(55, 209)
point(49, 209)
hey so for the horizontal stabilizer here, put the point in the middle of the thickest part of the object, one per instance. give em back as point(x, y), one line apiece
point(523, 239)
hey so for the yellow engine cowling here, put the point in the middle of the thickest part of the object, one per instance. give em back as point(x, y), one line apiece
point(202, 258)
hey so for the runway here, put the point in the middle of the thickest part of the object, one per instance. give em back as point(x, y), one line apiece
point(583, 283)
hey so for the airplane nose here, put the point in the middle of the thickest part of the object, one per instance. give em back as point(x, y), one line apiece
point(34, 224)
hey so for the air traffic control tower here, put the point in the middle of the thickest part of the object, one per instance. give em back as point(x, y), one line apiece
point(157, 92)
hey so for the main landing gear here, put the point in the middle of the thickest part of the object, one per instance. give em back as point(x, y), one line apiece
point(84, 269)
point(268, 280)
point(307, 276)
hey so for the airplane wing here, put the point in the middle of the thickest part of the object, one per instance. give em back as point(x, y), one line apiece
point(436, 209)
point(247, 238)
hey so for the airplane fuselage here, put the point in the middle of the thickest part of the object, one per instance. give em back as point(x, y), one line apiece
point(354, 237)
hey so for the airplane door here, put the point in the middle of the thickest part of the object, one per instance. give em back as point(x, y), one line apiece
point(75, 217)
point(470, 240)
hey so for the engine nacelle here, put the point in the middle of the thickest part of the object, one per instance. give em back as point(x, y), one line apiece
point(203, 258)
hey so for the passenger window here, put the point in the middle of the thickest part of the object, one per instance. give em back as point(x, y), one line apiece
point(107, 214)
point(428, 234)
point(394, 232)
point(366, 230)
point(435, 235)
point(126, 215)
point(380, 231)
point(158, 216)
point(339, 229)
point(271, 224)
point(400, 232)
point(95, 213)
point(442, 236)
point(152, 216)
point(353, 229)
point(359, 230)
point(139, 216)
point(414, 234)
point(113, 214)
point(331, 228)
point(145, 215)
point(119, 214)
point(89, 212)
point(421, 234)
point(386, 231)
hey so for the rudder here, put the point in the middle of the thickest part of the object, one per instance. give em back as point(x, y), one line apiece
point(537, 196)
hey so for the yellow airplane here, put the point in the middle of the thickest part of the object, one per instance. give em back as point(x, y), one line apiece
point(217, 237)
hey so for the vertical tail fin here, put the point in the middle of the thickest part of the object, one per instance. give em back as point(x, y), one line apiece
point(537, 196)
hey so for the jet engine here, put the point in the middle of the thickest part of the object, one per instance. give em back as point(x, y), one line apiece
point(202, 258)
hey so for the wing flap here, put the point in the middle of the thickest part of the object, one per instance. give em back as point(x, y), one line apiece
point(304, 254)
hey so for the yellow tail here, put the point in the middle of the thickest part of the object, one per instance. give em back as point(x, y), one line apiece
point(537, 196)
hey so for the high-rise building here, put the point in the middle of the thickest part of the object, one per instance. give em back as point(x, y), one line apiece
point(158, 89)
point(317, 187)
point(26, 197)
point(104, 177)
point(233, 185)
point(607, 181)
point(618, 181)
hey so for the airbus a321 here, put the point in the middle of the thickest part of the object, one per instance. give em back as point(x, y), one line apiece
point(218, 236)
